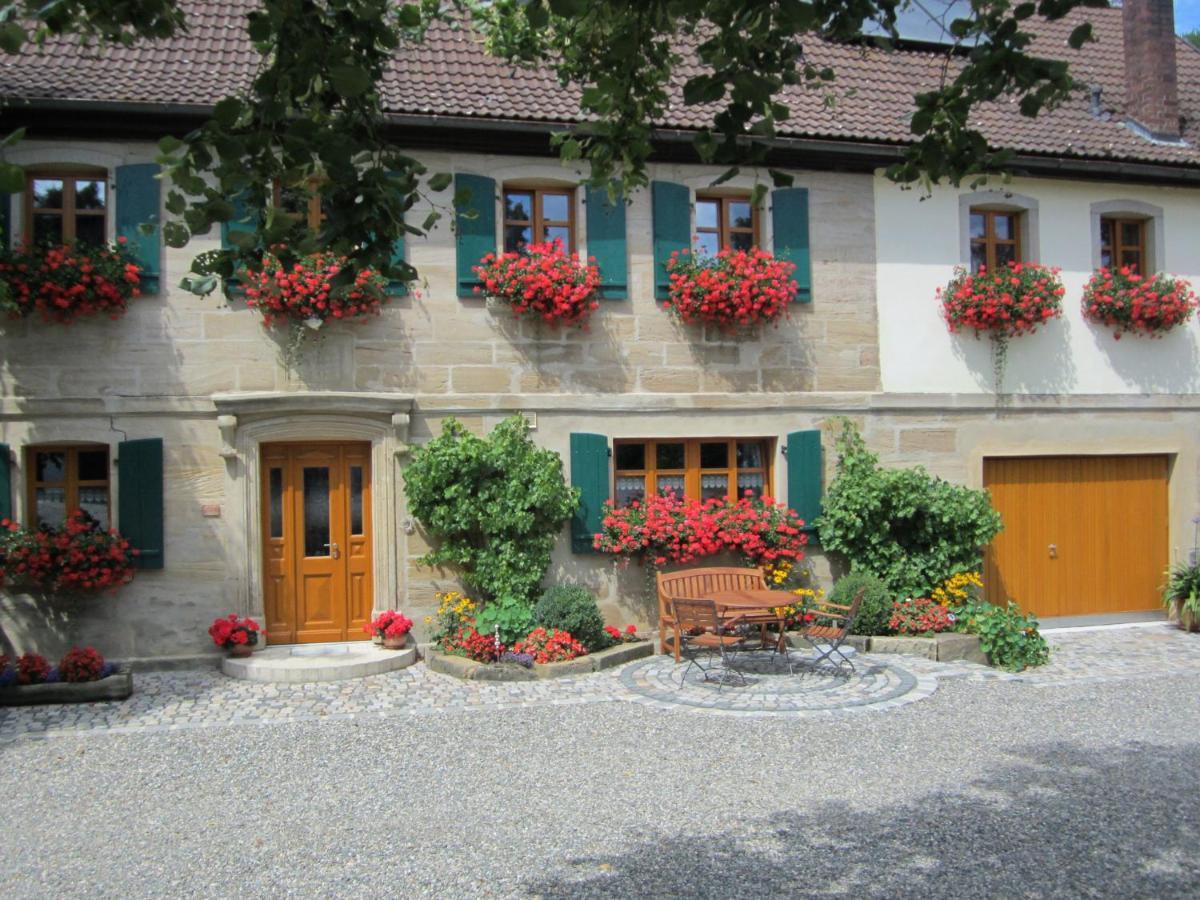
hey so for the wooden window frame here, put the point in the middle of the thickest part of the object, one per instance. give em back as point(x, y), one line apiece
point(68, 212)
point(725, 228)
point(692, 471)
point(313, 215)
point(72, 482)
point(1116, 247)
point(989, 241)
point(538, 222)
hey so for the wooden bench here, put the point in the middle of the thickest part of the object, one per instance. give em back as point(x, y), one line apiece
point(698, 583)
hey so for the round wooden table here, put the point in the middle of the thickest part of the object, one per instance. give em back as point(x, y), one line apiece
point(764, 602)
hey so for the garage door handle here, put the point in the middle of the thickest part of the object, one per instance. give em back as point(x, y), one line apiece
point(1054, 551)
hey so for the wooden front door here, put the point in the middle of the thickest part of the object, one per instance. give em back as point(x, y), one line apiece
point(316, 502)
point(1082, 534)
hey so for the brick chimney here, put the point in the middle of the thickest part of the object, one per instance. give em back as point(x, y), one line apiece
point(1151, 91)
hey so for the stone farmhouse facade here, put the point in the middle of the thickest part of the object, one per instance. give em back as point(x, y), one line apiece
point(191, 434)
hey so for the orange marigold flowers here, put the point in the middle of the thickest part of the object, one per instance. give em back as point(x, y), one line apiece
point(736, 289)
point(544, 281)
point(1125, 301)
point(1005, 303)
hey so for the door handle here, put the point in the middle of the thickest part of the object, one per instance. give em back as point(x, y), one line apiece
point(1054, 551)
point(334, 552)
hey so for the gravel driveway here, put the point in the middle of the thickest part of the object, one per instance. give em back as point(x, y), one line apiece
point(987, 788)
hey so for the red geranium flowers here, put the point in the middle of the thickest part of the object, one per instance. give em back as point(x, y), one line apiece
point(80, 556)
point(232, 630)
point(66, 283)
point(308, 290)
point(1125, 301)
point(544, 281)
point(1009, 301)
point(736, 289)
point(389, 624)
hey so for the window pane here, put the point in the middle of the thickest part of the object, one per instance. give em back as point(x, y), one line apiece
point(1106, 259)
point(1006, 227)
point(51, 466)
point(670, 456)
point(671, 484)
point(1106, 231)
point(89, 230)
point(294, 200)
point(1132, 258)
point(356, 500)
point(556, 207)
point(631, 456)
point(94, 502)
point(978, 225)
point(739, 215)
point(978, 257)
point(51, 506)
point(630, 488)
point(708, 213)
point(275, 502)
point(749, 455)
point(1005, 253)
point(47, 228)
point(518, 207)
point(316, 511)
point(559, 232)
point(741, 240)
point(516, 238)
point(89, 194)
point(714, 455)
point(714, 486)
point(48, 193)
point(93, 465)
point(707, 244)
point(752, 482)
point(1131, 233)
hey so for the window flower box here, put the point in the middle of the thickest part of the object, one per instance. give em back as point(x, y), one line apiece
point(1130, 303)
point(309, 292)
point(542, 281)
point(737, 290)
point(79, 557)
point(65, 283)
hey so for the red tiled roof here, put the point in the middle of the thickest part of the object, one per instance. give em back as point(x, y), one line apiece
point(450, 75)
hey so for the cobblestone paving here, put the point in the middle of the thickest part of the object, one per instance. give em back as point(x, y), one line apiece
point(170, 701)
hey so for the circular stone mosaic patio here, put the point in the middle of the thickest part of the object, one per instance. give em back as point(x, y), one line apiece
point(771, 690)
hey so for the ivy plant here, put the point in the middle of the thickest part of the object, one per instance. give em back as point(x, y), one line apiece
point(494, 507)
point(908, 527)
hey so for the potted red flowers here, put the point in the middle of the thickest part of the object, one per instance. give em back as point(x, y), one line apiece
point(736, 290)
point(307, 292)
point(66, 283)
point(235, 634)
point(392, 627)
point(1125, 301)
point(543, 281)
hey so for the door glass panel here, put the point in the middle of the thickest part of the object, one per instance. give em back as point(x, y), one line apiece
point(714, 455)
point(93, 465)
point(51, 466)
point(316, 510)
point(51, 506)
point(714, 486)
point(356, 500)
point(48, 193)
point(671, 484)
point(670, 456)
point(89, 195)
point(94, 502)
point(276, 502)
point(555, 207)
point(749, 455)
point(752, 482)
point(631, 456)
point(630, 488)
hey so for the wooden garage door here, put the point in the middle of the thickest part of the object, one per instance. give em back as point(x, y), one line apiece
point(1082, 534)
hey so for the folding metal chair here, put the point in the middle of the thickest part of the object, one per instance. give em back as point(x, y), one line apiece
point(829, 630)
point(702, 631)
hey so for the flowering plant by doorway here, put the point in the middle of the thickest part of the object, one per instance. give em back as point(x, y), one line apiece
point(735, 290)
point(389, 624)
point(543, 281)
point(232, 631)
point(65, 283)
point(1127, 302)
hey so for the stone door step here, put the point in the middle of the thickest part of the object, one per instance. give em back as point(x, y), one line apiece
point(300, 663)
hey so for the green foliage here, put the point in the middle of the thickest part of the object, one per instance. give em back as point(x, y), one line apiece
point(1193, 38)
point(1009, 638)
point(876, 607)
point(573, 609)
point(511, 615)
point(906, 526)
point(494, 507)
point(1183, 588)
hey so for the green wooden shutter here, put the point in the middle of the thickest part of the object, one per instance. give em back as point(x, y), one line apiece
point(140, 498)
point(789, 222)
point(672, 212)
point(589, 473)
point(6, 240)
point(242, 221)
point(804, 473)
point(475, 222)
point(6, 504)
point(606, 242)
point(138, 198)
point(398, 288)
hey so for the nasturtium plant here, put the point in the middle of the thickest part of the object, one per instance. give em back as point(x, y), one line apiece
point(494, 507)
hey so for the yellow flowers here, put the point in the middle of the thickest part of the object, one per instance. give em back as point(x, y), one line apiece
point(957, 589)
point(455, 603)
point(779, 574)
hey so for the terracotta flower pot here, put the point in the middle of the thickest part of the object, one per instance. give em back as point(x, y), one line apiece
point(395, 643)
point(240, 651)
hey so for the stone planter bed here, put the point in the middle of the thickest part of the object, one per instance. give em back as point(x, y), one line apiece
point(943, 647)
point(116, 686)
point(461, 667)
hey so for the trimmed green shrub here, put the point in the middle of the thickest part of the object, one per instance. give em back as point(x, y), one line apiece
point(573, 609)
point(493, 506)
point(1009, 637)
point(906, 526)
point(876, 607)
